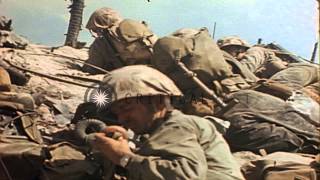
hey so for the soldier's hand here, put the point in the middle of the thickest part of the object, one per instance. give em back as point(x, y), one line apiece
point(113, 149)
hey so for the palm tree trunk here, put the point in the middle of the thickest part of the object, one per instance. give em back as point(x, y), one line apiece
point(76, 12)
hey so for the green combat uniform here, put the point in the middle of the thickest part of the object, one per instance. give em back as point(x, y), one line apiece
point(298, 75)
point(176, 146)
point(183, 147)
point(262, 62)
point(119, 42)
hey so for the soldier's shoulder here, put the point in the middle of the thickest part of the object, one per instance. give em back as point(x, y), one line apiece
point(189, 121)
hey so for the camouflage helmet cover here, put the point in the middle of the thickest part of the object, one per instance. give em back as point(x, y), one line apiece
point(103, 18)
point(232, 41)
point(138, 81)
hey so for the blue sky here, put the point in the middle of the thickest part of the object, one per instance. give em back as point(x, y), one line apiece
point(291, 23)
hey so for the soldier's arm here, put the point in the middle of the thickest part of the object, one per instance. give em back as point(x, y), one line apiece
point(254, 58)
point(176, 154)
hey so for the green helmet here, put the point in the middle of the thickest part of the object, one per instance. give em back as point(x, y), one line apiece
point(232, 41)
point(103, 18)
point(138, 81)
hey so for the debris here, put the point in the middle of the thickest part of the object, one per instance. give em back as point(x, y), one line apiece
point(12, 40)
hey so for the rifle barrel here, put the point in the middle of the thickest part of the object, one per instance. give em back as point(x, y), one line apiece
point(314, 52)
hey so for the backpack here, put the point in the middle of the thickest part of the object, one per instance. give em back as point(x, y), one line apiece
point(128, 43)
point(283, 166)
point(133, 41)
point(22, 159)
point(198, 52)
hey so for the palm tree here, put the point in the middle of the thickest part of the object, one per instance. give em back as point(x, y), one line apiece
point(76, 12)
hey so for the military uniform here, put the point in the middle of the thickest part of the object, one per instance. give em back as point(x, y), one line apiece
point(119, 42)
point(253, 119)
point(261, 121)
point(262, 62)
point(301, 76)
point(265, 64)
point(298, 75)
point(183, 147)
point(175, 145)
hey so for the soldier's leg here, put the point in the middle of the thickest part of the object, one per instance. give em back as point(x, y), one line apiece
point(260, 121)
point(298, 75)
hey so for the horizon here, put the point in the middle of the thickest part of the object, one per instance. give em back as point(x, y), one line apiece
point(289, 23)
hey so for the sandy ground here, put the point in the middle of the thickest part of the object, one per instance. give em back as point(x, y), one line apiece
point(41, 59)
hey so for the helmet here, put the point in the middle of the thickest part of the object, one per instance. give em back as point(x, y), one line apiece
point(137, 81)
point(103, 18)
point(232, 40)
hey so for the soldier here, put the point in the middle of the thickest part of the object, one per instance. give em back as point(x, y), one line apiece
point(265, 64)
point(258, 120)
point(261, 61)
point(173, 145)
point(301, 76)
point(119, 42)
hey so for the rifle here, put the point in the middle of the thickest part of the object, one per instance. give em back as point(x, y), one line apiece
point(193, 76)
point(214, 30)
point(314, 52)
point(284, 54)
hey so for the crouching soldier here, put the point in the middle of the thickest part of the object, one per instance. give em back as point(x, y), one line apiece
point(172, 145)
point(119, 42)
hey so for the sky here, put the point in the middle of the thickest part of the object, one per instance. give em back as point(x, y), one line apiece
point(291, 23)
